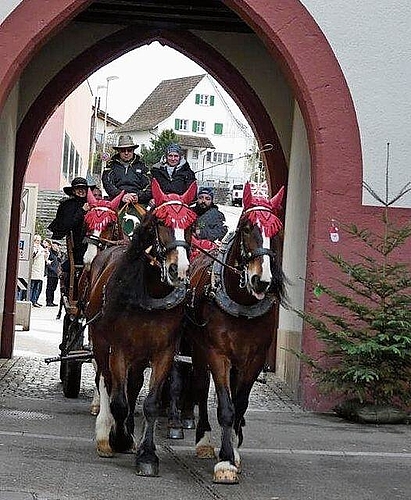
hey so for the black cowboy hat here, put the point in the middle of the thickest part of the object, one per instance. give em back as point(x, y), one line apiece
point(77, 182)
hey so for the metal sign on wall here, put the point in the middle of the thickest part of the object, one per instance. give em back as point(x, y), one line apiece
point(27, 230)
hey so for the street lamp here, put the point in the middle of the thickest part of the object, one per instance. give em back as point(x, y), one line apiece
point(104, 156)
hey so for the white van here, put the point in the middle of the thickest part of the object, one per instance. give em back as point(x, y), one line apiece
point(236, 194)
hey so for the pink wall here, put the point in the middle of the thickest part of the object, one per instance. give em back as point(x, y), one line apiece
point(45, 160)
point(73, 117)
point(77, 123)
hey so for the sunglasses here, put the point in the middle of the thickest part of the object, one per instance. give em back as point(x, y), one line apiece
point(126, 150)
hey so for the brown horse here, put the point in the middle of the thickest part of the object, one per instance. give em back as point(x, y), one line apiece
point(135, 309)
point(233, 303)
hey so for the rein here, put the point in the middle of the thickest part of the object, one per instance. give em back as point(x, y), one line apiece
point(215, 259)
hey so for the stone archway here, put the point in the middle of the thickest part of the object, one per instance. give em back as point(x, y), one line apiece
point(292, 38)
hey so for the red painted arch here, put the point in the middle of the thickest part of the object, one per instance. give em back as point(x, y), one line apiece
point(294, 40)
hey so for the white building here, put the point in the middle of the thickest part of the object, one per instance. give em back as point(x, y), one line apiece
point(215, 142)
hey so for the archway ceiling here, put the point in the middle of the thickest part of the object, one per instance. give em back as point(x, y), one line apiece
point(170, 14)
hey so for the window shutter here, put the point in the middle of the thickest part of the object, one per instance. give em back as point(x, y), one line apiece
point(177, 124)
point(218, 128)
point(211, 100)
point(194, 126)
point(197, 98)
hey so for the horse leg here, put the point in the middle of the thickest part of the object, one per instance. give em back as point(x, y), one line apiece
point(225, 470)
point(95, 404)
point(187, 400)
point(201, 386)
point(120, 438)
point(240, 394)
point(147, 463)
point(104, 420)
point(174, 424)
point(135, 382)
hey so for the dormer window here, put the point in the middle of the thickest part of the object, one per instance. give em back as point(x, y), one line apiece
point(204, 100)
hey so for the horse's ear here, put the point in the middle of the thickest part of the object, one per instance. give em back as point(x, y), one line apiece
point(247, 196)
point(275, 202)
point(90, 197)
point(158, 195)
point(115, 202)
point(190, 194)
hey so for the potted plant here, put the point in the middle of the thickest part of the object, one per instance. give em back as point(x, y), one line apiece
point(367, 345)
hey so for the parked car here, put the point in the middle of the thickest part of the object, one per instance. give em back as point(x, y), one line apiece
point(237, 194)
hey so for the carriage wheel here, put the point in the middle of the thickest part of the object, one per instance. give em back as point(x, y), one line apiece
point(70, 371)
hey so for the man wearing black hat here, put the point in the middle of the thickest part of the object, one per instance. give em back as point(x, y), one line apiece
point(125, 171)
point(70, 217)
point(210, 223)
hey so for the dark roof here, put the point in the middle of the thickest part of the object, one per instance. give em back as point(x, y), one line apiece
point(161, 103)
point(110, 120)
point(193, 141)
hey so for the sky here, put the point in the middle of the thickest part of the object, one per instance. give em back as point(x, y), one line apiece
point(139, 72)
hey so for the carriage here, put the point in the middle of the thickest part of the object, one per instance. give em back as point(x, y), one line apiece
point(137, 299)
point(103, 231)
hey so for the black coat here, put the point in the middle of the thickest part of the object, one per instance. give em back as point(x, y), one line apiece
point(52, 265)
point(210, 224)
point(132, 179)
point(70, 217)
point(180, 180)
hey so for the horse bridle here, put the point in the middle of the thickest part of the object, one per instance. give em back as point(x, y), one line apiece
point(98, 241)
point(247, 256)
point(161, 249)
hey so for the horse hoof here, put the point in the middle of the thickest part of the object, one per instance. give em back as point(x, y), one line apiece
point(188, 423)
point(175, 433)
point(225, 473)
point(104, 450)
point(205, 451)
point(147, 469)
point(94, 410)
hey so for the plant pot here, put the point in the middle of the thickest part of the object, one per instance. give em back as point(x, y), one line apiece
point(368, 413)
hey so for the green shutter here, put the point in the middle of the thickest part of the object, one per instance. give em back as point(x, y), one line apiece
point(211, 100)
point(195, 126)
point(218, 128)
point(177, 124)
point(197, 98)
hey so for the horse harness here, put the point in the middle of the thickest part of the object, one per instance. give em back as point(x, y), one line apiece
point(209, 282)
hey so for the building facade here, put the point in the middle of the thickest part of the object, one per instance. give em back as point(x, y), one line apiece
point(216, 143)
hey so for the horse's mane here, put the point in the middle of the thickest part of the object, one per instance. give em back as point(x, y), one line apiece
point(126, 288)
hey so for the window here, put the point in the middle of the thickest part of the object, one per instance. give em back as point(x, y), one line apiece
point(199, 126)
point(66, 154)
point(204, 100)
point(222, 157)
point(208, 158)
point(218, 128)
point(181, 124)
point(195, 154)
point(72, 161)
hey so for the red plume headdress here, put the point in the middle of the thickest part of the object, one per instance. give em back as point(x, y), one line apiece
point(173, 208)
point(102, 212)
point(263, 211)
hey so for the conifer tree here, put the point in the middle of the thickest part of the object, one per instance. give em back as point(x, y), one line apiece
point(367, 345)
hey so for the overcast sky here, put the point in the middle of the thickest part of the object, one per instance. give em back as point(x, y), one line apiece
point(139, 72)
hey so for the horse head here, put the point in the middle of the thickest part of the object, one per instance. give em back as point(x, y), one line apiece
point(258, 224)
point(100, 222)
point(175, 219)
